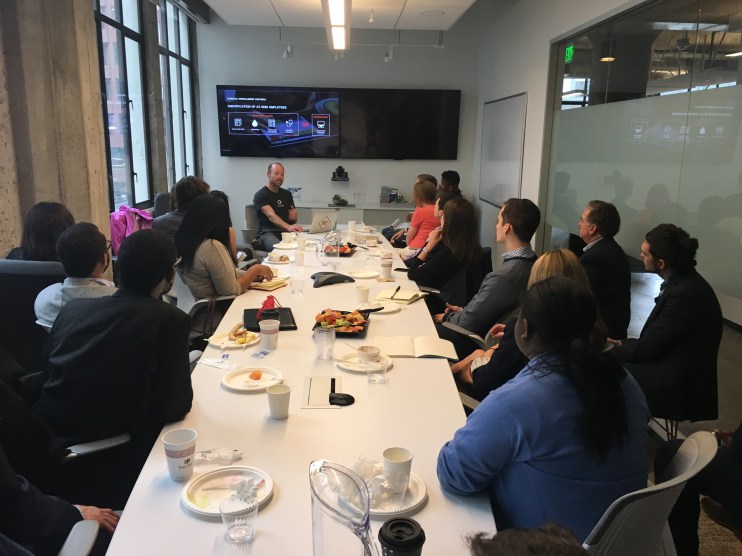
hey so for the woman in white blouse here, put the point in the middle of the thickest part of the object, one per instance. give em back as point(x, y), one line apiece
point(208, 266)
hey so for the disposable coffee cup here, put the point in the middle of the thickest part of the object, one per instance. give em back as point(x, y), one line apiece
point(278, 400)
point(401, 536)
point(361, 294)
point(367, 354)
point(180, 449)
point(287, 237)
point(269, 334)
point(397, 468)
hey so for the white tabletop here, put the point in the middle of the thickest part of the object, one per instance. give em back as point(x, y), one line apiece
point(417, 408)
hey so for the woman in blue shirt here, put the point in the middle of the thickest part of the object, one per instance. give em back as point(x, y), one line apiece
point(563, 439)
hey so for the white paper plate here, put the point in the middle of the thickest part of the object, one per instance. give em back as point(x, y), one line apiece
point(222, 341)
point(363, 273)
point(239, 380)
point(349, 362)
point(414, 499)
point(202, 495)
point(293, 245)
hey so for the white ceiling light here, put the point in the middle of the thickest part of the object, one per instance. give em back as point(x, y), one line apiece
point(337, 23)
point(734, 54)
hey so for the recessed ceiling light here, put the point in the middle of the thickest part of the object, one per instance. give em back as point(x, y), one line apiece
point(433, 13)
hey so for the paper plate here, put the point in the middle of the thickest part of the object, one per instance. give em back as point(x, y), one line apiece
point(239, 380)
point(349, 362)
point(293, 245)
point(389, 308)
point(202, 495)
point(222, 341)
point(363, 273)
point(414, 499)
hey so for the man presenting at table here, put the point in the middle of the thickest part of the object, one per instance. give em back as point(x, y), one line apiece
point(276, 210)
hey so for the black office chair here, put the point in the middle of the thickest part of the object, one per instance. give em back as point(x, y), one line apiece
point(20, 283)
point(461, 287)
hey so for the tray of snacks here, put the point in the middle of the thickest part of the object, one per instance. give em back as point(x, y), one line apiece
point(346, 250)
point(346, 323)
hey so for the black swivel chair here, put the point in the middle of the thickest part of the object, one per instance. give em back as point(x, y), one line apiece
point(20, 283)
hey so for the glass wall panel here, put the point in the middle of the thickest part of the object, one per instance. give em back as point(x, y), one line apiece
point(131, 14)
point(183, 37)
point(655, 130)
point(188, 121)
point(177, 122)
point(111, 8)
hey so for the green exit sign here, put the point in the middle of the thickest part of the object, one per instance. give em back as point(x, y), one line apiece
point(569, 53)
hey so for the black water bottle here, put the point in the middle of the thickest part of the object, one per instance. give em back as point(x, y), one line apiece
point(401, 536)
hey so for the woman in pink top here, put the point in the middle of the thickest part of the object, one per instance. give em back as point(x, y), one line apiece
point(423, 220)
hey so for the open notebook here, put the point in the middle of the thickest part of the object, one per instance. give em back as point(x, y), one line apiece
point(403, 297)
point(419, 346)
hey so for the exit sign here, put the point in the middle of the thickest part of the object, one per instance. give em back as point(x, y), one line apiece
point(569, 53)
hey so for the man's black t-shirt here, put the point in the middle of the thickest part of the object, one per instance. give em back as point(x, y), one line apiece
point(281, 202)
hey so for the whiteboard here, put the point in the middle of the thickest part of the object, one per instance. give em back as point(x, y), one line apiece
point(501, 162)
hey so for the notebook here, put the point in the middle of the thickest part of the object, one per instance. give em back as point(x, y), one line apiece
point(403, 297)
point(420, 346)
point(285, 316)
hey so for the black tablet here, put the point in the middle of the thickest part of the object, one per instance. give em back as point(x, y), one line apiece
point(285, 316)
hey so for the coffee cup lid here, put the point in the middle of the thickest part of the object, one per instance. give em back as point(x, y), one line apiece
point(401, 532)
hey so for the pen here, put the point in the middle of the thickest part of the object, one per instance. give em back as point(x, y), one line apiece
point(395, 292)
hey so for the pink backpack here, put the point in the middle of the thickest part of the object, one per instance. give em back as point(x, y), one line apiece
point(125, 221)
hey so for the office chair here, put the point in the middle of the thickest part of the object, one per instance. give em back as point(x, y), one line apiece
point(636, 523)
point(20, 283)
point(81, 539)
point(250, 232)
point(197, 309)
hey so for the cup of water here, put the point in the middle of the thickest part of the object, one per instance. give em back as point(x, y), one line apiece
point(324, 342)
point(238, 514)
point(376, 372)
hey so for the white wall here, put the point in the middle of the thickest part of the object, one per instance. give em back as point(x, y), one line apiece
point(238, 55)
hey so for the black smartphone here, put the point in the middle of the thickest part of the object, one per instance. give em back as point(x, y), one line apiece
point(402, 269)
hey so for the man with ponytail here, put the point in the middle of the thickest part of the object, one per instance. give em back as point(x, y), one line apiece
point(564, 438)
point(674, 358)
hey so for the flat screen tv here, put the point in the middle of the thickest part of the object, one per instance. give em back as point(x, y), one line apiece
point(296, 122)
point(278, 122)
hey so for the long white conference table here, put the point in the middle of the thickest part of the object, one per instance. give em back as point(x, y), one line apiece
point(418, 408)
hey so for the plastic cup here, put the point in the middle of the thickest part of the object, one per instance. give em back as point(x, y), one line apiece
point(238, 515)
point(361, 294)
point(278, 400)
point(324, 342)
point(301, 244)
point(299, 258)
point(351, 225)
point(376, 372)
point(397, 467)
point(180, 449)
point(269, 334)
point(297, 286)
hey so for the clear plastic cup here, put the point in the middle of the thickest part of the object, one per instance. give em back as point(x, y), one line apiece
point(376, 372)
point(238, 515)
point(324, 342)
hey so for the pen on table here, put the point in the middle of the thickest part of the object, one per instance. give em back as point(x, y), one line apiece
point(395, 292)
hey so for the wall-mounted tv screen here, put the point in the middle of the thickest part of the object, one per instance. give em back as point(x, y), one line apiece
point(294, 122)
point(278, 122)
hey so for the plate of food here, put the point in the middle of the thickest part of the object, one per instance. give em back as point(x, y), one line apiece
point(202, 495)
point(349, 362)
point(252, 379)
point(236, 338)
point(282, 245)
point(346, 250)
point(345, 323)
point(277, 258)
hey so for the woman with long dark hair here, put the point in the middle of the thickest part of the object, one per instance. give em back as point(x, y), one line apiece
point(207, 266)
point(42, 227)
point(452, 247)
point(564, 438)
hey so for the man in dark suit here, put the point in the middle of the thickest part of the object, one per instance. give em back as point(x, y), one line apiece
point(606, 266)
point(119, 364)
point(674, 358)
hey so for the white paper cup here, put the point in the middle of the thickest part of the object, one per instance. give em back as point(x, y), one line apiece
point(361, 294)
point(180, 450)
point(269, 334)
point(352, 237)
point(351, 225)
point(397, 467)
point(299, 258)
point(301, 244)
point(371, 241)
point(368, 353)
point(278, 400)
point(287, 237)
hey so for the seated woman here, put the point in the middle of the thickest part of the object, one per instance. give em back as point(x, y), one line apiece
point(505, 359)
point(207, 266)
point(423, 220)
point(232, 235)
point(41, 229)
point(441, 198)
point(459, 247)
point(563, 439)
